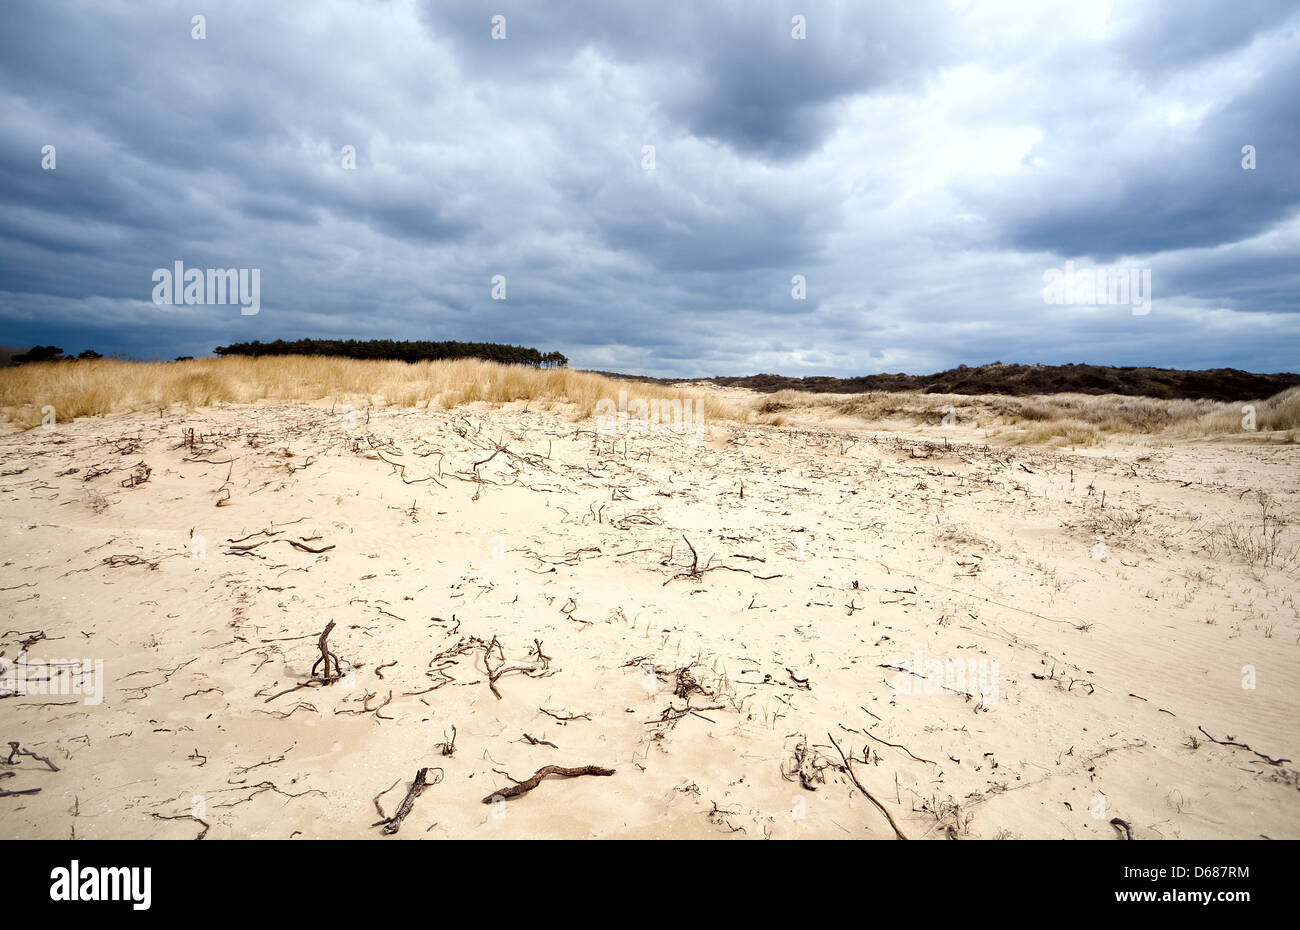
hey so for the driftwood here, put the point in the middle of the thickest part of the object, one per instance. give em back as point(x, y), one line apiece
point(523, 787)
point(301, 546)
point(15, 749)
point(394, 823)
point(10, 794)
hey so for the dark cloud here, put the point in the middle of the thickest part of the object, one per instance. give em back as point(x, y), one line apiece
point(1162, 38)
point(921, 165)
point(729, 71)
point(1119, 182)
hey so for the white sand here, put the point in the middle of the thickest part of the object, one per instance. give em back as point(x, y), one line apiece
point(1099, 663)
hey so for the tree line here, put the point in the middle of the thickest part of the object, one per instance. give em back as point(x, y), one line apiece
point(48, 354)
point(346, 348)
point(406, 351)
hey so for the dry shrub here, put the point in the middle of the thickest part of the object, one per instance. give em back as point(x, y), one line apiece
point(780, 400)
point(1257, 541)
point(883, 405)
point(1076, 419)
point(1113, 522)
point(960, 537)
point(1056, 432)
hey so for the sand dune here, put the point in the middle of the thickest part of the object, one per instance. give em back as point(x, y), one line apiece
point(1004, 641)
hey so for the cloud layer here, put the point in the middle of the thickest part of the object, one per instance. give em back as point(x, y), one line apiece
point(921, 165)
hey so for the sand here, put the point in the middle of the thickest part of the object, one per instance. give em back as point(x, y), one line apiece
point(1005, 642)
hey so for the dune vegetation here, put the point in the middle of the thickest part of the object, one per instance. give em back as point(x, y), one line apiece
point(1224, 384)
point(94, 388)
point(1061, 419)
point(101, 386)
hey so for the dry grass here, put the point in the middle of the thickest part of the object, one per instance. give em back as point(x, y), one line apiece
point(960, 538)
point(93, 388)
point(1257, 541)
point(1074, 419)
point(1279, 412)
point(1113, 522)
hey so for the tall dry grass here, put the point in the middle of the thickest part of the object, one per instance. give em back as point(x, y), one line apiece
point(93, 388)
point(1076, 419)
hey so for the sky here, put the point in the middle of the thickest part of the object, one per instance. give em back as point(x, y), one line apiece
point(674, 188)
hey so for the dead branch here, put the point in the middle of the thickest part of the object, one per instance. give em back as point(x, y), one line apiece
point(523, 787)
point(1228, 742)
point(16, 750)
point(695, 572)
point(563, 718)
point(326, 656)
point(448, 746)
point(202, 834)
point(672, 714)
point(848, 768)
point(379, 810)
point(11, 794)
point(367, 709)
point(302, 546)
point(541, 668)
point(394, 823)
point(896, 746)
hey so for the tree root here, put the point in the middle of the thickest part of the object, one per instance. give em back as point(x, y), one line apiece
point(529, 784)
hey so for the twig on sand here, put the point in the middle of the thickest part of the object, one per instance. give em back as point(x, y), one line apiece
point(848, 768)
point(206, 826)
point(326, 656)
point(10, 794)
point(540, 668)
point(15, 749)
point(523, 787)
point(448, 746)
point(696, 572)
point(379, 809)
point(394, 823)
point(1222, 742)
point(695, 559)
point(301, 546)
point(867, 732)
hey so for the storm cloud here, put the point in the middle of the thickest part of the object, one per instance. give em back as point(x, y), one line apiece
point(654, 181)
